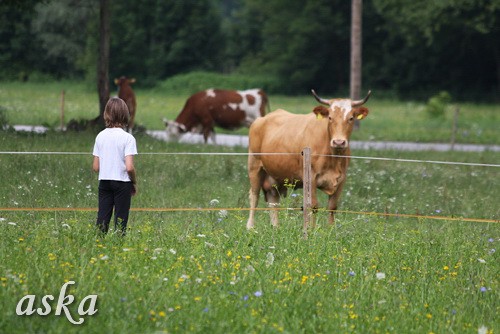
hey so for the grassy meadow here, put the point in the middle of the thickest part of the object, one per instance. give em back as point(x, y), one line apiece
point(389, 119)
point(201, 271)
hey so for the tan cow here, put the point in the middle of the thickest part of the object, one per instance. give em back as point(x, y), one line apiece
point(126, 93)
point(326, 131)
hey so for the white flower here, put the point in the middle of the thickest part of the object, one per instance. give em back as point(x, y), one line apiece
point(481, 260)
point(380, 275)
point(223, 213)
point(214, 202)
point(269, 259)
point(12, 223)
point(105, 257)
point(65, 225)
point(173, 251)
point(201, 236)
point(482, 330)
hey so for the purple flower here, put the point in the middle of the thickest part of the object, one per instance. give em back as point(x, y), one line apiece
point(352, 273)
point(205, 309)
point(483, 289)
point(258, 293)
point(491, 240)
point(245, 297)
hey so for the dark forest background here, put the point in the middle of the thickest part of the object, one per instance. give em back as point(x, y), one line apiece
point(410, 48)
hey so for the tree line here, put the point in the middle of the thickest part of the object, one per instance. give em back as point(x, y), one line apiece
point(409, 48)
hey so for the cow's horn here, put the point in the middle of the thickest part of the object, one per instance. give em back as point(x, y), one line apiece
point(361, 102)
point(319, 99)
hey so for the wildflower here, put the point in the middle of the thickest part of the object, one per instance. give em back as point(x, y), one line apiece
point(482, 330)
point(65, 225)
point(481, 260)
point(269, 259)
point(352, 273)
point(104, 257)
point(483, 289)
point(258, 293)
point(214, 202)
point(12, 223)
point(173, 251)
point(491, 240)
point(162, 314)
point(201, 235)
point(205, 310)
point(380, 275)
point(223, 213)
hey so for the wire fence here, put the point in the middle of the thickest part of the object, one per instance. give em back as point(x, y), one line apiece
point(179, 209)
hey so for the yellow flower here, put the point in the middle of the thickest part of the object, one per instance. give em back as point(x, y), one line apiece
point(446, 268)
point(162, 314)
point(229, 253)
point(428, 316)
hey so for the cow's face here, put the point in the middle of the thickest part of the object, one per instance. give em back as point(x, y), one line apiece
point(340, 116)
point(173, 129)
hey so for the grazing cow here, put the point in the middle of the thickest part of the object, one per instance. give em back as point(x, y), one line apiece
point(228, 109)
point(325, 131)
point(126, 93)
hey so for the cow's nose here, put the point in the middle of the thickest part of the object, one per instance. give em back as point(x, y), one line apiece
point(340, 143)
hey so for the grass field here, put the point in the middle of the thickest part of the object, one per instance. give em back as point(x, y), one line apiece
point(201, 271)
point(39, 104)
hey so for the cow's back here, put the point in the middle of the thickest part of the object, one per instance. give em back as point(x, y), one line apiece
point(280, 131)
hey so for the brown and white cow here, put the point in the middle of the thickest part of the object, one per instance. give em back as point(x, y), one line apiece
point(326, 131)
point(228, 109)
point(126, 93)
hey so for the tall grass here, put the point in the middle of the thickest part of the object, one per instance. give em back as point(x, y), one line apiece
point(202, 272)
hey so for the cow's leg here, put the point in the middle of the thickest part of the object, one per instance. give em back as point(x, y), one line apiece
point(314, 204)
point(256, 176)
point(272, 192)
point(333, 202)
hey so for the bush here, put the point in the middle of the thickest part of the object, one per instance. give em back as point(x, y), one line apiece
point(193, 82)
point(437, 104)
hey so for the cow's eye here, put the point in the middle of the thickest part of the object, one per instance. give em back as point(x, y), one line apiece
point(351, 118)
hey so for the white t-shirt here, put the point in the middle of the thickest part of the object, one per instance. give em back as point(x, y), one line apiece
point(111, 146)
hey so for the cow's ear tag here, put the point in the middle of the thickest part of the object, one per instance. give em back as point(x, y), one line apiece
point(361, 116)
point(319, 116)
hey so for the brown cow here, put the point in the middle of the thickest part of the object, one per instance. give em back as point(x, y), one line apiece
point(326, 131)
point(126, 93)
point(228, 109)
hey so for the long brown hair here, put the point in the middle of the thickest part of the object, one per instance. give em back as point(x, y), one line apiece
point(116, 113)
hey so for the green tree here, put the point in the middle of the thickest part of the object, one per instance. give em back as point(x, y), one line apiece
point(448, 44)
point(157, 39)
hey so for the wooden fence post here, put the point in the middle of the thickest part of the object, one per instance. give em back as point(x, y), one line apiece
point(306, 180)
point(454, 128)
point(62, 110)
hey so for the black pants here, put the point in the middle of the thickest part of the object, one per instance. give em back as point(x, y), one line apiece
point(115, 194)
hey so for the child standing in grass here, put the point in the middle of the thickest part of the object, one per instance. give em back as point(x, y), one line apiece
point(114, 151)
